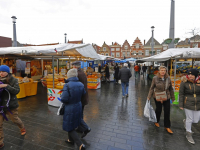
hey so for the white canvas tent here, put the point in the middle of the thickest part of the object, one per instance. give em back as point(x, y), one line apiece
point(102, 57)
point(173, 53)
point(82, 50)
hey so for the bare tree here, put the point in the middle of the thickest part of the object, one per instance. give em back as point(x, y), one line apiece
point(195, 37)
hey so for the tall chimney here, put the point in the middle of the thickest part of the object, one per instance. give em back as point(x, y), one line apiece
point(171, 28)
point(144, 42)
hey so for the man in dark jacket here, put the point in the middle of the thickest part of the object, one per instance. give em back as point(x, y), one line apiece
point(84, 100)
point(124, 75)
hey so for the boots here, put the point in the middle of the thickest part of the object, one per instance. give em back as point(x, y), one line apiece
point(189, 137)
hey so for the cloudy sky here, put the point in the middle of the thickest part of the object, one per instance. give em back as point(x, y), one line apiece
point(96, 21)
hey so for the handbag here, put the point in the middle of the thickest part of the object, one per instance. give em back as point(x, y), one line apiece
point(162, 96)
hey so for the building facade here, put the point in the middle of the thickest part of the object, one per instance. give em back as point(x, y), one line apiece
point(105, 50)
point(125, 50)
point(5, 42)
point(137, 49)
point(157, 48)
point(115, 50)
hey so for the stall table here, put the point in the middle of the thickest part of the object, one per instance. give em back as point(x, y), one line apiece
point(27, 89)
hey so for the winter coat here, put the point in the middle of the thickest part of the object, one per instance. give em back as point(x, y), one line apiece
point(144, 68)
point(124, 74)
point(158, 85)
point(107, 72)
point(116, 72)
point(13, 88)
point(187, 99)
point(72, 99)
point(83, 79)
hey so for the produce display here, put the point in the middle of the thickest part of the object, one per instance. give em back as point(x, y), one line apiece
point(94, 81)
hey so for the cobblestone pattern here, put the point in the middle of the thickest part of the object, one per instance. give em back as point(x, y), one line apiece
point(117, 124)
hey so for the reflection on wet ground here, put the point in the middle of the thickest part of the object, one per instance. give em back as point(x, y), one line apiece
point(117, 124)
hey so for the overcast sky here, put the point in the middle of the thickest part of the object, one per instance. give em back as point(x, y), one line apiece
point(96, 21)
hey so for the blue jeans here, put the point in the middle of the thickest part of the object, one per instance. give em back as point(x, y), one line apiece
point(125, 85)
point(136, 74)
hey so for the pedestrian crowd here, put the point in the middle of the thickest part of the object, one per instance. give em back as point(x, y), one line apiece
point(75, 98)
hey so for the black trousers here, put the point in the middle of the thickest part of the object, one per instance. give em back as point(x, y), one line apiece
point(166, 105)
point(73, 137)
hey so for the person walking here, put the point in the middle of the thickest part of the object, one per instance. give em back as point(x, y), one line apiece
point(144, 69)
point(116, 68)
point(9, 88)
point(136, 68)
point(107, 73)
point(189, 100)
point(99, 68)
point(125, 75)
point(84, 128)
point(162, 83)
point(72, 92)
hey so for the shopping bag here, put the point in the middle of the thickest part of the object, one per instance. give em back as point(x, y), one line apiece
point(146, 109)
point(61, 109)
point(152, 113)
point(119, 82)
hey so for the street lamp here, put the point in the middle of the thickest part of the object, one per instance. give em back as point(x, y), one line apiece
point(152, 41)
point(14, 44)
point(65, 37)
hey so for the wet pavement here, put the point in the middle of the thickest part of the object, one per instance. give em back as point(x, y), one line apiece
point(117, 124)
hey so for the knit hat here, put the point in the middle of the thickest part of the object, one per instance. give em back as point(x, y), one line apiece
point(193, 72)
point(72, 73)
point(5, 68)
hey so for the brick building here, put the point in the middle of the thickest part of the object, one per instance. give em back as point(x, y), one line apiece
point(115, 50)
point(137, 49)
point(105, 50)
point(97, 48)
point(76, 42)
point(5, 42)
point(126, 50)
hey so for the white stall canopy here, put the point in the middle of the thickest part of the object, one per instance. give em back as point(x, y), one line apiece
point(81, 50)
point(173, 53)
point(103, 57)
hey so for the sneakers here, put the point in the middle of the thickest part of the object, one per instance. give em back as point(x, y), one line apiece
point(157, 125)
point(2, 145)
point(23, 131)
point(169, 130)
point(82, 147)
point(189, 137)
point(85, 132)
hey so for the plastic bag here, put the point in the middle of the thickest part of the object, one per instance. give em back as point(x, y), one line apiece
point(149, 112)
point(152, 116)
point(61, 109)
point(146, 109)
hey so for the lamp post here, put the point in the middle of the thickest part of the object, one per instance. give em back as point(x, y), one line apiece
point(14, 44)
point(65, 37)
point(152, 41)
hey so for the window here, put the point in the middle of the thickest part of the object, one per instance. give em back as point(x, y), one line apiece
point(126, 47)
point(102, 54)
point(113, 54)
point(137, 46)
point(140, 53)
point(117, 54)
point(123, 54)
point(165, 48)
point(112, 49)
point(117, 49)
point(104, 49)
point(107, 54)
point(128, 54)
point(134, 53)
point(146, 52)
point(158, 51)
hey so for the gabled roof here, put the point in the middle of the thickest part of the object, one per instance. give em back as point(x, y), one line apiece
point(185, 42)
point(76, 42)
point(149, 41)
point(196, 37)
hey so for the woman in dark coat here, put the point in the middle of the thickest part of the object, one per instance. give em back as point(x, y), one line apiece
point(116, 68)
point(107, 73)
point(72, 92)
point(9, 86)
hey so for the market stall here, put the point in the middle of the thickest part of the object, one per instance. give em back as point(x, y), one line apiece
point(174, 55)
point(69, 51)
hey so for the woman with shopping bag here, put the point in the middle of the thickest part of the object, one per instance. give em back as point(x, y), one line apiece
point(161, 90)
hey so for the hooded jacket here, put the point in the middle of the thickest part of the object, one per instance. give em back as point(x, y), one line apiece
point(189, 94)
point(13, 88)
point(158, 85)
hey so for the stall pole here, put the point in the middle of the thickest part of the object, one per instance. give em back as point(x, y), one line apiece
point(1, 61)
point(174, 73)
point(167, 66)
point(53, 69)
point(192, 63)
point(42, 67)
point(171, 69)
point(57, 66)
